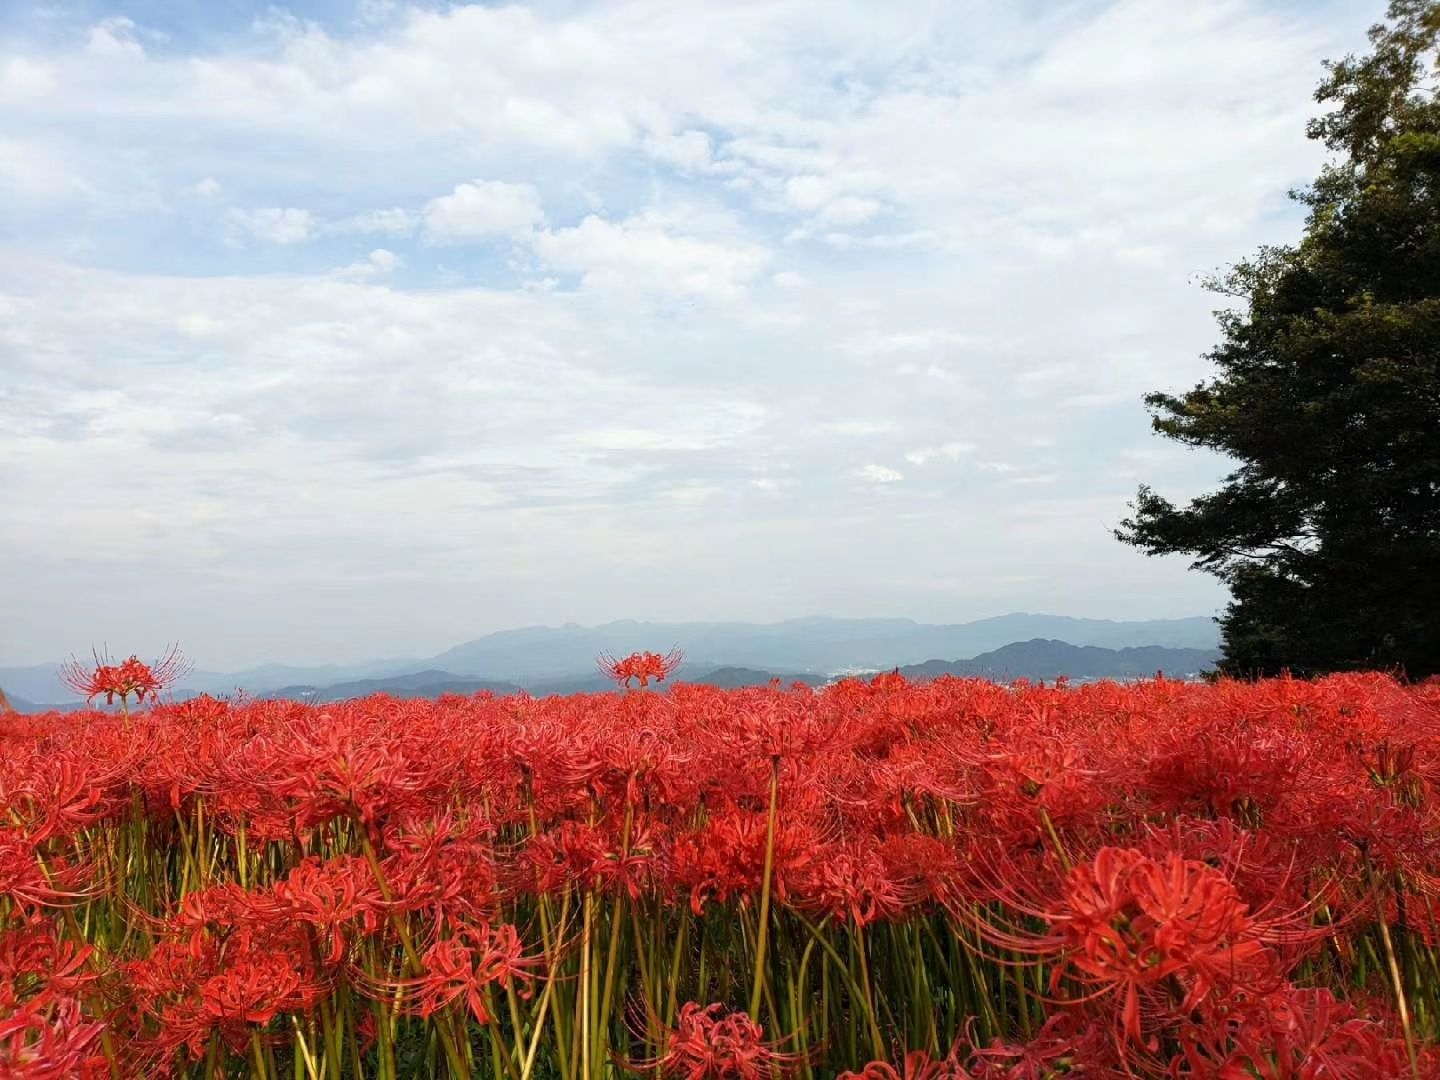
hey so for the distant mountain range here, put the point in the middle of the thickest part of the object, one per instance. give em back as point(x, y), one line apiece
point(562, 659)
point(816, 644)
point(432, 684)
point(1035, 659)
point(1041, 659)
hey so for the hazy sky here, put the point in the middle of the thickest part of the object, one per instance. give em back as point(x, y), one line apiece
point(361, 328)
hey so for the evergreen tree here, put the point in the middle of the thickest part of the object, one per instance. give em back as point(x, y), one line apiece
point(1328, 395)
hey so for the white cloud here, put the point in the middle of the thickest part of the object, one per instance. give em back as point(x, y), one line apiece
point(272, 225)
point(879, 474)
point(38, 173)
point(857, 427)
point(772, 485)
point(715, 428)
point(1035, 478)
point(396, 222)
point(208, 188)
point(641, 253)
point(481, 211)
point(950, 451)
point(848, 210)
point(930, 371)
point(22, 78)
point(377, 264)
point(810, 192)
point(944, 172)
point(115, 36)
point(685, 151)
point(842, 241)
point(333, 389)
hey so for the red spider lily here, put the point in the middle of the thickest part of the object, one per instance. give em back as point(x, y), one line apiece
point(1055, 1049)
point(1309, 1035)
point(35, 963)
point(595, 856)
point(643, 666)
point(330, 896)
point(443, 866)
point(918, 1065)
point(250, 994)
point(130, 677)
point(1116, 854)
point(31, 881)
point(714, 1043)
point(1232, 772)
point(226, 910)
point(255, 986)
point(726, 859)
point(162, 995)
point(1294, 1034)
point(464, 965)
point(59, 797)
point(856, 883)
point(338, 775)
point(50, 1042)
point(1158, 934)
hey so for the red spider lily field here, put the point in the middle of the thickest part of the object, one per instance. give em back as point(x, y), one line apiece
point(882, 879)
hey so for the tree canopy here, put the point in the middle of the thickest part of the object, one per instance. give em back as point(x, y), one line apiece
point(1327, 394)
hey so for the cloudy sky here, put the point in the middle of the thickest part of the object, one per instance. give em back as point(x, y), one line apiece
point(358, 328)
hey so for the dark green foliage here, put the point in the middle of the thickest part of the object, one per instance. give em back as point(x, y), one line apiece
point(1328, 395)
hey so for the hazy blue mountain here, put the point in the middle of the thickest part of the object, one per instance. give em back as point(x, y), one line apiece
point(267, 676)
point(30, 708)
point(563, 657)
point(432, 684)
point(1038, 658)
point(39, 682)
point(1049, 659)
point(816, 644)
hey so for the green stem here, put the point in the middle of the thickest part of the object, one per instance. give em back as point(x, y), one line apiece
point(1394, 968)
point(762, 935)
point(458, 1065)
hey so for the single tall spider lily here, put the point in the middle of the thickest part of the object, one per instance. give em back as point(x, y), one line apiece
point(643, 666)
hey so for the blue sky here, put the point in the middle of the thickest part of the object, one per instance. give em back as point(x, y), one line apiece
point(357, 329)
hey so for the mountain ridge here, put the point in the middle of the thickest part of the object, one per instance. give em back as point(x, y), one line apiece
point(1051, 659)
point(814, 643)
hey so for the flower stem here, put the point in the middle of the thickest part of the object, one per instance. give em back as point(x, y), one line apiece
point(762, 935)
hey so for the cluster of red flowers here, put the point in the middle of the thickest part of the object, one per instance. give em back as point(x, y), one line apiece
point(42, 1030)
point(946, 880)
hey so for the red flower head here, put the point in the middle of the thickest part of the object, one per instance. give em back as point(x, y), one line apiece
point(332, 896)
point(132, 677)
point(711, 1043)
point(1144, 928)
point(29, 884)
point(918, 1065)
point(35, 962)
point(464, 965)
point(251, 990)
point(50, 1043)
point(641, 665)
point(1311, 1034)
